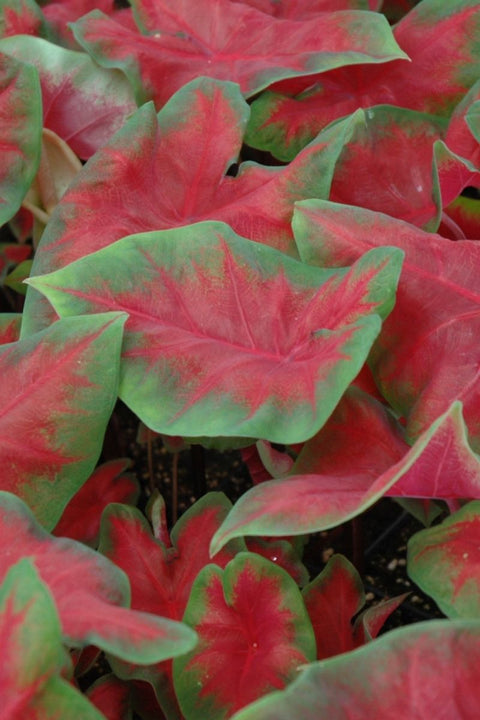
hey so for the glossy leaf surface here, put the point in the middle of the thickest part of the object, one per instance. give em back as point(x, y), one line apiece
point(82, 103)
point(89, 591)
point(20, 132)
point(444, 561)
point(425, 670)
point(187, 39)
point(217, 374)
point(427, 355)
point(57, 392)
point(253, 635)
point(388, 166)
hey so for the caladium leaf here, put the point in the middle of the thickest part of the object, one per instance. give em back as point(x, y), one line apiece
point(424, 360)
point(23, 17)
point(290, 115)
point(9, 327)
point(127, 540)
point(340, 473)
point(183, 42)
point(120, 189)
point(20, 132)
point(82, 103)
point(50, 380)
point(282, 553)
point(161, 573)
point(303, 9)
point(108, 484)
point(464, 211)
point(444, 561)
point(332, 599)
point(253, 631)
point(388, 166)
point(112, 697)
point(90, 592)
point(238, 378)
point(12, 254)
point(60, 13)
point(425, 670)
point(34, 661)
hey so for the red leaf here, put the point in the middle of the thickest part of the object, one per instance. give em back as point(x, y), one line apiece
point(332, 599)
point(112, 697)
point(439, 40)
point(444, 561)
point(358, 456)
point(303, 9)
point(81, 518)
point(194, 361)
point(422, 671)
point(187, 39)
point(254, 634)
point(49, 380)
point(427, 355)
point(89, 591)
point(82, 103)
point(161, 577)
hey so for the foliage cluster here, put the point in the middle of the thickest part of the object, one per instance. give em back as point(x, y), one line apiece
point(255, 223)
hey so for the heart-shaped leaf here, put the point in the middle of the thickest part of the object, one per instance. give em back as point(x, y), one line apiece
point(237, 380)
point(425, 358)
point(182, 42)
point(444, 561)
point(161, 575)
point(20, 132)
point(422, 671)
point(89, 591)
point(34, 661)
point(253, 632)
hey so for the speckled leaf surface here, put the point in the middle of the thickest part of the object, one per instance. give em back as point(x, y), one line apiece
point(170, 170)
point(90, 592)
point(185, 39)
point(356, 458)
point(230, 375)
point(57, 392)
point(427, 355)
point(20, 132)
point(253, 632)
point(422, 671)
point(35, 666)
point(82, 103)
point(444, 561)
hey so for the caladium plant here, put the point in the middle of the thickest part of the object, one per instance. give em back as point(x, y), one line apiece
point(255, 224)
